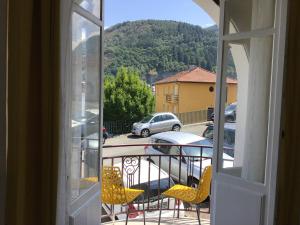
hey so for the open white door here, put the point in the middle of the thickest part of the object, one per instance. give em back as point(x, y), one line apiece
point(84, 82)
point(253, 30)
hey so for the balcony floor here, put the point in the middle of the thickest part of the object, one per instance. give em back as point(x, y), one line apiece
point(164, 221)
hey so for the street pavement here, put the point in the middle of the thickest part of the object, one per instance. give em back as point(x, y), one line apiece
point(132, 139)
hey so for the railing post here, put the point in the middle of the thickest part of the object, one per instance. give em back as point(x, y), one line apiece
point(169, 173)
point(149, 182)
point(180, 159)
point(180, 155)
point(159, 167)
point(201, 154)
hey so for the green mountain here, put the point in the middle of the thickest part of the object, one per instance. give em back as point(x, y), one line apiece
point(159, 48)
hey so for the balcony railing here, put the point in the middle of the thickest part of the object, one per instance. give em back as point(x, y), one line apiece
point(180, 168)
point(175, 166)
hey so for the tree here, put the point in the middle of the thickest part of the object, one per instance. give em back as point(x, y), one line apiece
point(126, 96)
point(166, 46)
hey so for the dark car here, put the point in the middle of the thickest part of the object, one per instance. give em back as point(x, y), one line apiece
point(229, 137)
point(230, 113)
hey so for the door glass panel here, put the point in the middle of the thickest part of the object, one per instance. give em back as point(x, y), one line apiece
point(92, 6)
point(245, 128)
point(84, 104)
point(238, 17)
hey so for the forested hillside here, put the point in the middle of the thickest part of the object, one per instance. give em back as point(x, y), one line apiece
point(159, 48)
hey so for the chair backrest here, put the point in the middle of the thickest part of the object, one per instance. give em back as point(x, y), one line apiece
point(204, 185)
point(113, 191)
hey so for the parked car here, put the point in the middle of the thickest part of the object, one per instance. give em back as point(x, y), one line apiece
point(230, 113)
point(155, 123)
point(153, 184)
point(229, 137)
point(192, 161)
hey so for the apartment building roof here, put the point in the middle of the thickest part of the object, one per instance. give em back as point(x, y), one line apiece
point(196, 75)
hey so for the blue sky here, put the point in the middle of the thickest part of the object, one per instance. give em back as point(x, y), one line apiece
point(117, 11)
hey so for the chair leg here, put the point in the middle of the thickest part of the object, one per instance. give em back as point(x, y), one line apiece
point(127, 214)
point(198, 214)
point(178, 211)
point(113, 213)
point(144, 210)
point(161, 204)
point(175, 201)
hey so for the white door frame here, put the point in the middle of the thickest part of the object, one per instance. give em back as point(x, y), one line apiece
point(269, 187)
point(68, 211)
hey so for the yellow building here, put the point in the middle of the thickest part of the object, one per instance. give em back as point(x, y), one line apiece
point(190, 91)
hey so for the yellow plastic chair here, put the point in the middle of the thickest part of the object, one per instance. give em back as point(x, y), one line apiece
point(189, 194)
point(114, 192)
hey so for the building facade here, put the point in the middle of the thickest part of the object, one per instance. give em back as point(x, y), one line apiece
point(190, 91)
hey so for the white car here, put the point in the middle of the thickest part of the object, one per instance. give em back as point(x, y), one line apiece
point(149, 181)
point(193, 159)
point(155, 123)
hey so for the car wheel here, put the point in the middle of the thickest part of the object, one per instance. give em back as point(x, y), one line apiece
point(193, 182)
point(176, 128)
point(145, 133)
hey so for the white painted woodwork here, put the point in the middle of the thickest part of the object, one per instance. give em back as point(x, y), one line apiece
point(235, 205)
point(245, 194)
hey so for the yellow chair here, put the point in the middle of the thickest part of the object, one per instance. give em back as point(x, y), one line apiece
point(189, 194)
point(114, 192)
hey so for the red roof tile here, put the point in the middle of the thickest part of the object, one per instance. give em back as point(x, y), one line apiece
point(196, 75)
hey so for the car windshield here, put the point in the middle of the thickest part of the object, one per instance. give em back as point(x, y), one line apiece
point(146, 119)
point(230, 107)
point(196, 151)
point(152, 189)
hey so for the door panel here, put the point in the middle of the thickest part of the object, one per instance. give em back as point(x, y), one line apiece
point(249, 33)
point(167, 125)
point(85, 110)
point(156, 124)
point(169, 122)
point(85, 211)
point(244, 203)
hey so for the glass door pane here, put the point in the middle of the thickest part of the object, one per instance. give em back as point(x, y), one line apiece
point(245, 128)
point(93, 6)
point(85, 104)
